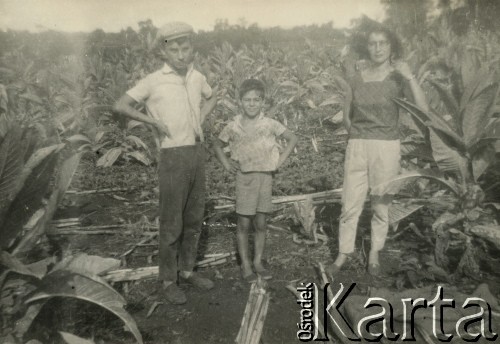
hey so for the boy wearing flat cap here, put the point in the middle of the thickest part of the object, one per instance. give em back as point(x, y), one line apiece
point(172, 96)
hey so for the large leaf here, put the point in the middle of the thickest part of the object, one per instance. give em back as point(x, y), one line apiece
point(447, 97)
point(11, 164)
point(476, 112)
point(141, 157)
point(416, 149)
point(110, 157)
point(447, 156)
point(72, 339)
point(87, 265)
point(482, 158)
point(396, 184)
point(15, 265)
point(64, 283)
point(431, 120)
point(29, 198)
point(64, 177)
point(488, 232)
point(399, 211)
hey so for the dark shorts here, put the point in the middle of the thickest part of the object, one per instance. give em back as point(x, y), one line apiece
point(254, 193)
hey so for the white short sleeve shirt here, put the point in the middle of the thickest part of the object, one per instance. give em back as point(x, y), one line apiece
point(175, 101)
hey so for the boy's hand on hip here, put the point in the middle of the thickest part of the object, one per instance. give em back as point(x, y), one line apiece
point(232, 166)
point(162, 128)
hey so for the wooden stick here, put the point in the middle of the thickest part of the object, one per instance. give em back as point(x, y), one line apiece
point(87, 192)
point(295, 198)
point(246, 315)
point(67, 224)
point(143, 241)
point(257, 334)
point(153, 307)
point(72, 219)
point(254, 316)
point(91, 232)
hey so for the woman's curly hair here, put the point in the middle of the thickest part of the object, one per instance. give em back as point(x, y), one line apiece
point(359, 40)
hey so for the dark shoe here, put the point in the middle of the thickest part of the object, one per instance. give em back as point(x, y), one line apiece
point(174, 294)
point(374, 269)
point(250, 278)
point(264, 274)
point(198, 281)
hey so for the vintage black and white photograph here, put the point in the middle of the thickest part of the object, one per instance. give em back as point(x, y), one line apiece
point(249, 171)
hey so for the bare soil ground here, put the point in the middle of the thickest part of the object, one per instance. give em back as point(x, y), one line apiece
point(213, 316)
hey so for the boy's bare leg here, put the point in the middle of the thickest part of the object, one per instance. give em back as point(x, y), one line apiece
point(244, 223)
point(260, 240)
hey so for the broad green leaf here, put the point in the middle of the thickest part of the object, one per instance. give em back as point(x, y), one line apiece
point(399, 211)
point(141, 157)
point(289, 83)
point(32, 97)
point(99, 136)
point(11, 164)
point(29, 198)
point(15, 265)
point(133, 124)
point(469, 67)
point(481, 159)
point(72, 339)
point(63, 283)
point(79, 137)
point(137, 141)
point(476, 113)
point(87, 264)
point(432, 120)
point(333, 100)
point(417, 150)
point(393, 186)
point(489, 232)
point(447, 97)
point(64, 177)
point(109, 158)
point(447, 156)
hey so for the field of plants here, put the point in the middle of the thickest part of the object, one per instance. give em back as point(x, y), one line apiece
point(79, 187)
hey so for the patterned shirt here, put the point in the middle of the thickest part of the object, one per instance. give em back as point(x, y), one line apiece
point(255, 149)
point(174, 100)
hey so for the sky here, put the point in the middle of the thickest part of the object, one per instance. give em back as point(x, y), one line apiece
point(114, 15)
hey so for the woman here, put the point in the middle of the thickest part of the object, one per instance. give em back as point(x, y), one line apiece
point(372, 155)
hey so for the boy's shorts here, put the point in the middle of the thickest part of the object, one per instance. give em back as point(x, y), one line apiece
point(254, 193)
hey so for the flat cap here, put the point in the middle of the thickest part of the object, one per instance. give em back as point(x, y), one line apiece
point(174, 30)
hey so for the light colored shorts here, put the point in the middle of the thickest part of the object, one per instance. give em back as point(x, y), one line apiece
point(254, 193)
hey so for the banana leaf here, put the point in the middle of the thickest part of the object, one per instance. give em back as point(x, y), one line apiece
point(476, 112)
point(64, 283)
point(396, 184)
point(447, 156)
point(72, 339)
point(431, 120)
point(400, 211)
point(64, 177)
point(482, 159)
point(30, 197)
point(11, 165)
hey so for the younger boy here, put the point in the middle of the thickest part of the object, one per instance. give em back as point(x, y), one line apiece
point(255, 156)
